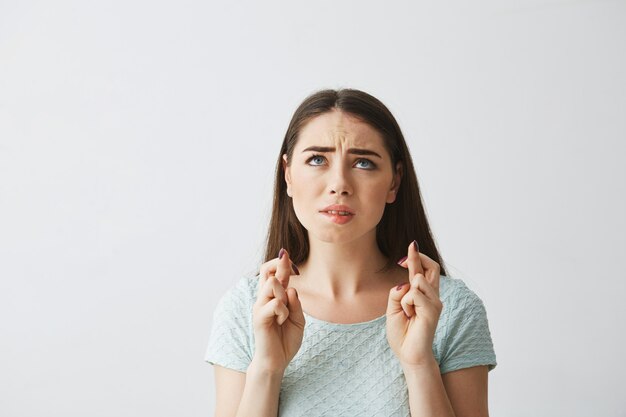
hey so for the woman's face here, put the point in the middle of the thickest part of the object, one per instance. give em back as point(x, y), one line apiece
point(340, 160)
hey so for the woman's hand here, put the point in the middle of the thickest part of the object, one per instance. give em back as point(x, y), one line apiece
point(277, 316)
point(413, 311)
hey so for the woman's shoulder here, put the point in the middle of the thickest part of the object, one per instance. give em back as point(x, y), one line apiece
point(454, 292)
point(241, 292)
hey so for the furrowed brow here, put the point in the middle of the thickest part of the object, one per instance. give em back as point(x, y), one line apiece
point(355, 151)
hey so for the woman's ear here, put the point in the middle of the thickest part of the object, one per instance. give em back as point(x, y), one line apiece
point(287, 170)
point(395, 184)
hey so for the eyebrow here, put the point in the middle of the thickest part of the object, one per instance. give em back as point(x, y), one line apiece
point(356, 151)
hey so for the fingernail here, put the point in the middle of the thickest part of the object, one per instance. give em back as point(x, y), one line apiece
point(402, 259)
point(281, 253)
point(400, 286)
point(416, 246)
point(295, 269)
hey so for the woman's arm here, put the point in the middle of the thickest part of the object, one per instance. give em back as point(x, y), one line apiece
point(467, 391)
point(260, 394)
point(427, 394)
point(229, 385)
point(461, 393)
point(254, 393)
point(278, 325)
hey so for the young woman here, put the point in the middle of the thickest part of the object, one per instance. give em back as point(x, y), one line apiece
point(352, 313)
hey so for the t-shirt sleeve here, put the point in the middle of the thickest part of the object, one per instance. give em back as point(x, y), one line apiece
point(230, 340)
point(467, 340)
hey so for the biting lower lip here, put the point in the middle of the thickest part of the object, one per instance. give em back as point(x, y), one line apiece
point(339, 219)
point(338, 213)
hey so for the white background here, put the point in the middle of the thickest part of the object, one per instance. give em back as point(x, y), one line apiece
point(138, 141)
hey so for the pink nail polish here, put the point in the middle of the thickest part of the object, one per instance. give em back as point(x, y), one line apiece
point(416, 246)
point(281, 253)
point(402, 259)
point(399, 286)
point(295, 269)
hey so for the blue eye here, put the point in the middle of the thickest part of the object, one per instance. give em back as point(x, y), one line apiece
point(313, 157)
point(369, 162)
point(372, 165)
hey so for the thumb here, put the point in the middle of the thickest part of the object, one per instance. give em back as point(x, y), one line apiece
point(395, 295)
point(295, 308)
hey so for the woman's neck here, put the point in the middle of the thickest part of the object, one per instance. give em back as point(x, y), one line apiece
point(343, 270)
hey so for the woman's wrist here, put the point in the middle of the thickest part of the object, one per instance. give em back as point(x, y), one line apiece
point(422, 366)
point(261, 392)
point(264, 367)
point(427, 394)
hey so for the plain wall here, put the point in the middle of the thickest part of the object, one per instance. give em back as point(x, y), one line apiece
point(138, 142)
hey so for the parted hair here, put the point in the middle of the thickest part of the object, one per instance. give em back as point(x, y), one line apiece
point(403, 221)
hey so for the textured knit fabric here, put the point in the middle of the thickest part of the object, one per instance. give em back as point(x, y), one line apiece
point(349, 369)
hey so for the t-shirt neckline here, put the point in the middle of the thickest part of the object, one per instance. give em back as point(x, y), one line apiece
point(310, 318)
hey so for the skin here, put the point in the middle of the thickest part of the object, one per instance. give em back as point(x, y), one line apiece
point(339, 283)
point(343, 259)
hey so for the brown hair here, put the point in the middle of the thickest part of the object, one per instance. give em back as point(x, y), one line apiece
point(403, 221)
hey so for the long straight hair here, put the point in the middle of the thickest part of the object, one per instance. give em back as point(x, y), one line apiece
point(403, 221)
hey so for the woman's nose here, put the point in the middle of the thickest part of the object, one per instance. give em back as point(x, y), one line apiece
point(340, 182)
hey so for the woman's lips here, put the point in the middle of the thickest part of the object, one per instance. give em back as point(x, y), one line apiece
point(338, 218)
point(338, 207)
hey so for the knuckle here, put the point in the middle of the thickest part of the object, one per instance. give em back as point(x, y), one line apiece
point(264, 269)
point(258, 312)
point(282, 296)
point(408, 298)
point(269, 266)
point(274, 303)
point(267, 285)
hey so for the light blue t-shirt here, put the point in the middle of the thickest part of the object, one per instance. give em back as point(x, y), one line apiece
point(350, 369)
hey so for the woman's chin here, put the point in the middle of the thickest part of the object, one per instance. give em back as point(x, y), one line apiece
point(334, 236)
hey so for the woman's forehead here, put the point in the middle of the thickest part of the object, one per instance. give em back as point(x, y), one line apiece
point(337, 128)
